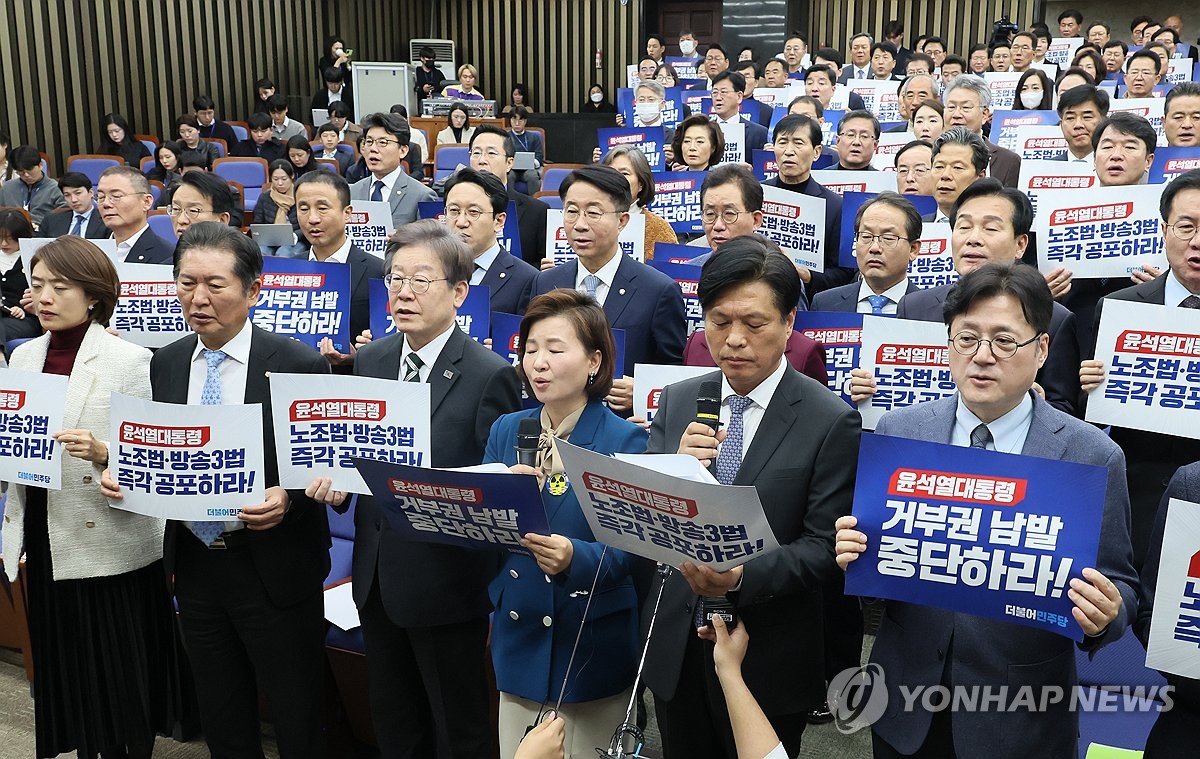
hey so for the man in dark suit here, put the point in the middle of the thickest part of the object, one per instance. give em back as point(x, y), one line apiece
point(212, 128)
point(887, 234)
point(260, 143)
point(968, 103)
point(1007, 306)
point(249, 590)
point(124, 200)
point(1172, 731)
point(792, 439)
point(424, 608)
point(80, 217)
point(728, 90)
point(323, 210)
point(384, 146)
point(1153, 457)
point(492, 151)
point(476, 203)
point(974, 243)
point(643, 301)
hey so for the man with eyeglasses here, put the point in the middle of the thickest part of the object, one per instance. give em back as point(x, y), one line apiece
point(857, 136)
point(1153, 457)
point(643, 301)
point(492, 151)
point(997, 320)
point(968, 103)
point(913, 164)
point(990, 224)
point(124, 199)
point(423, 607)
point(384, 145)
point(475, 210)
point(887, 236)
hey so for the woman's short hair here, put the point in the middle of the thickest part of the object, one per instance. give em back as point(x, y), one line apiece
point(641, 170)
point(715, 136)
point(80, 262)
point(591, 327)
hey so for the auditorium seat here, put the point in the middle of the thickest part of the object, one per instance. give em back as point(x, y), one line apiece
point(92, 165)
point(446, 159)
point(1121, 664)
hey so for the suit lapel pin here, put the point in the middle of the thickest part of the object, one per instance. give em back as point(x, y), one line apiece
point(448, 374)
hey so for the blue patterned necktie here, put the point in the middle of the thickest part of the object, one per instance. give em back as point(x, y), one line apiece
point(591, 283)
point(981, 436)
point(75, 230)
point(729, 458)
point(211, 395)
point(377, 193)
point(877, 303)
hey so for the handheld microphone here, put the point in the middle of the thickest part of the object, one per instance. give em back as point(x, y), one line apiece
point(529, 433)
point(708, 404)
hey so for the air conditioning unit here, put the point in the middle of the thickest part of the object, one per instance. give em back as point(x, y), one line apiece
point(447, 61)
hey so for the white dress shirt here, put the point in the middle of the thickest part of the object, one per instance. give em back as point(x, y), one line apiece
point(760, 398)
point(428, 353)
point(893, 294)
point(339, 256)
point(1008, 432)
point(233, 371)
point(483, 262)
point(606, 274)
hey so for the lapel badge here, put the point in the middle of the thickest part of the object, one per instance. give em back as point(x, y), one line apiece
point(556, 484)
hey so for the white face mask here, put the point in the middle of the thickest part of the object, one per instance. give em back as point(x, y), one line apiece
point(597, 97)
point(687, 47)
point(1031, 98)
point(646, 112)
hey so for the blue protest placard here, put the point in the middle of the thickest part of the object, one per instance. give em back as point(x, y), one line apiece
point(649, 140)
point(688, 278)
point(764, 164)
point(851, 202)
point(679, 254)
point(510, 237)
point(677, 199)
point(307, 300)
point(992, 534)
point(841, 335)
point(464, 509)
point(1169, 163)
point(474, 317)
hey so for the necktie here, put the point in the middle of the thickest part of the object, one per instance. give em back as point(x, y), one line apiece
point(981, 436)
point(729, 458)
point(591, 283)
point(377, 193)
point(1191, 301)
point(75, 230)
point(877, 303)
point(412, 367)
point(208, 532)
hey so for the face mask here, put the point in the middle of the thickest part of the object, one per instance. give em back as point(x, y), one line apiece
point(597, 97)
point(646, 112)
point(1031, 98)
point(687, 47)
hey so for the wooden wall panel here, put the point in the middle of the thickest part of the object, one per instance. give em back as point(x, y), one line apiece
point(67, 62)
point(834, 22)
point(550, 45)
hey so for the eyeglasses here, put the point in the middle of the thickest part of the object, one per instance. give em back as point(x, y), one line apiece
point(480, 153)
point(187, 213)
point(382, 142)
point(471, 213)
point(967, 344)
point(116, 197)
point(729, 216)
point(1184, 230)
point(418, 284)
point(865, 239)
point(593, 215)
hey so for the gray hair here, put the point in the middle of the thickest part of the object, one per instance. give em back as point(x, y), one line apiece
point(973, 83)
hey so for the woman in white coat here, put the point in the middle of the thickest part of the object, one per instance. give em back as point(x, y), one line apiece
point(105, 651)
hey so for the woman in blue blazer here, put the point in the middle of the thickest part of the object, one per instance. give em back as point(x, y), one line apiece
point(567, 363)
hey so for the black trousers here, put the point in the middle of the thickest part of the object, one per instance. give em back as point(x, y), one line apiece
point(695, 724)
point(428, 686)
point(237, 639)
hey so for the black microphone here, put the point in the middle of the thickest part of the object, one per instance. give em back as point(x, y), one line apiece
point(708, 411)
point(529, 433)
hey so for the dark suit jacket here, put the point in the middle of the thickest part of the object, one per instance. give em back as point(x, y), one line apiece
point(845, 298)
point(918, 643)
point(834, 275)
point(151, 249)
point(219, 130)
point(269, 151)
point(804, 354)
point(423, 585)
point(292, 558)
point(1004, 165)
point(531, 227)
point(644, 302)
point(1151, 457)
point(508, 277)
point(59, 223)
point(1059, 376)
point(802, 461)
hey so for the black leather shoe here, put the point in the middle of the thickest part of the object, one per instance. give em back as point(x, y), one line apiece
point(821, 716)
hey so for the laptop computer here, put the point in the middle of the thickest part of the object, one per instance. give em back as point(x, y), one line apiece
point(272, 235)
point(523, 161)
